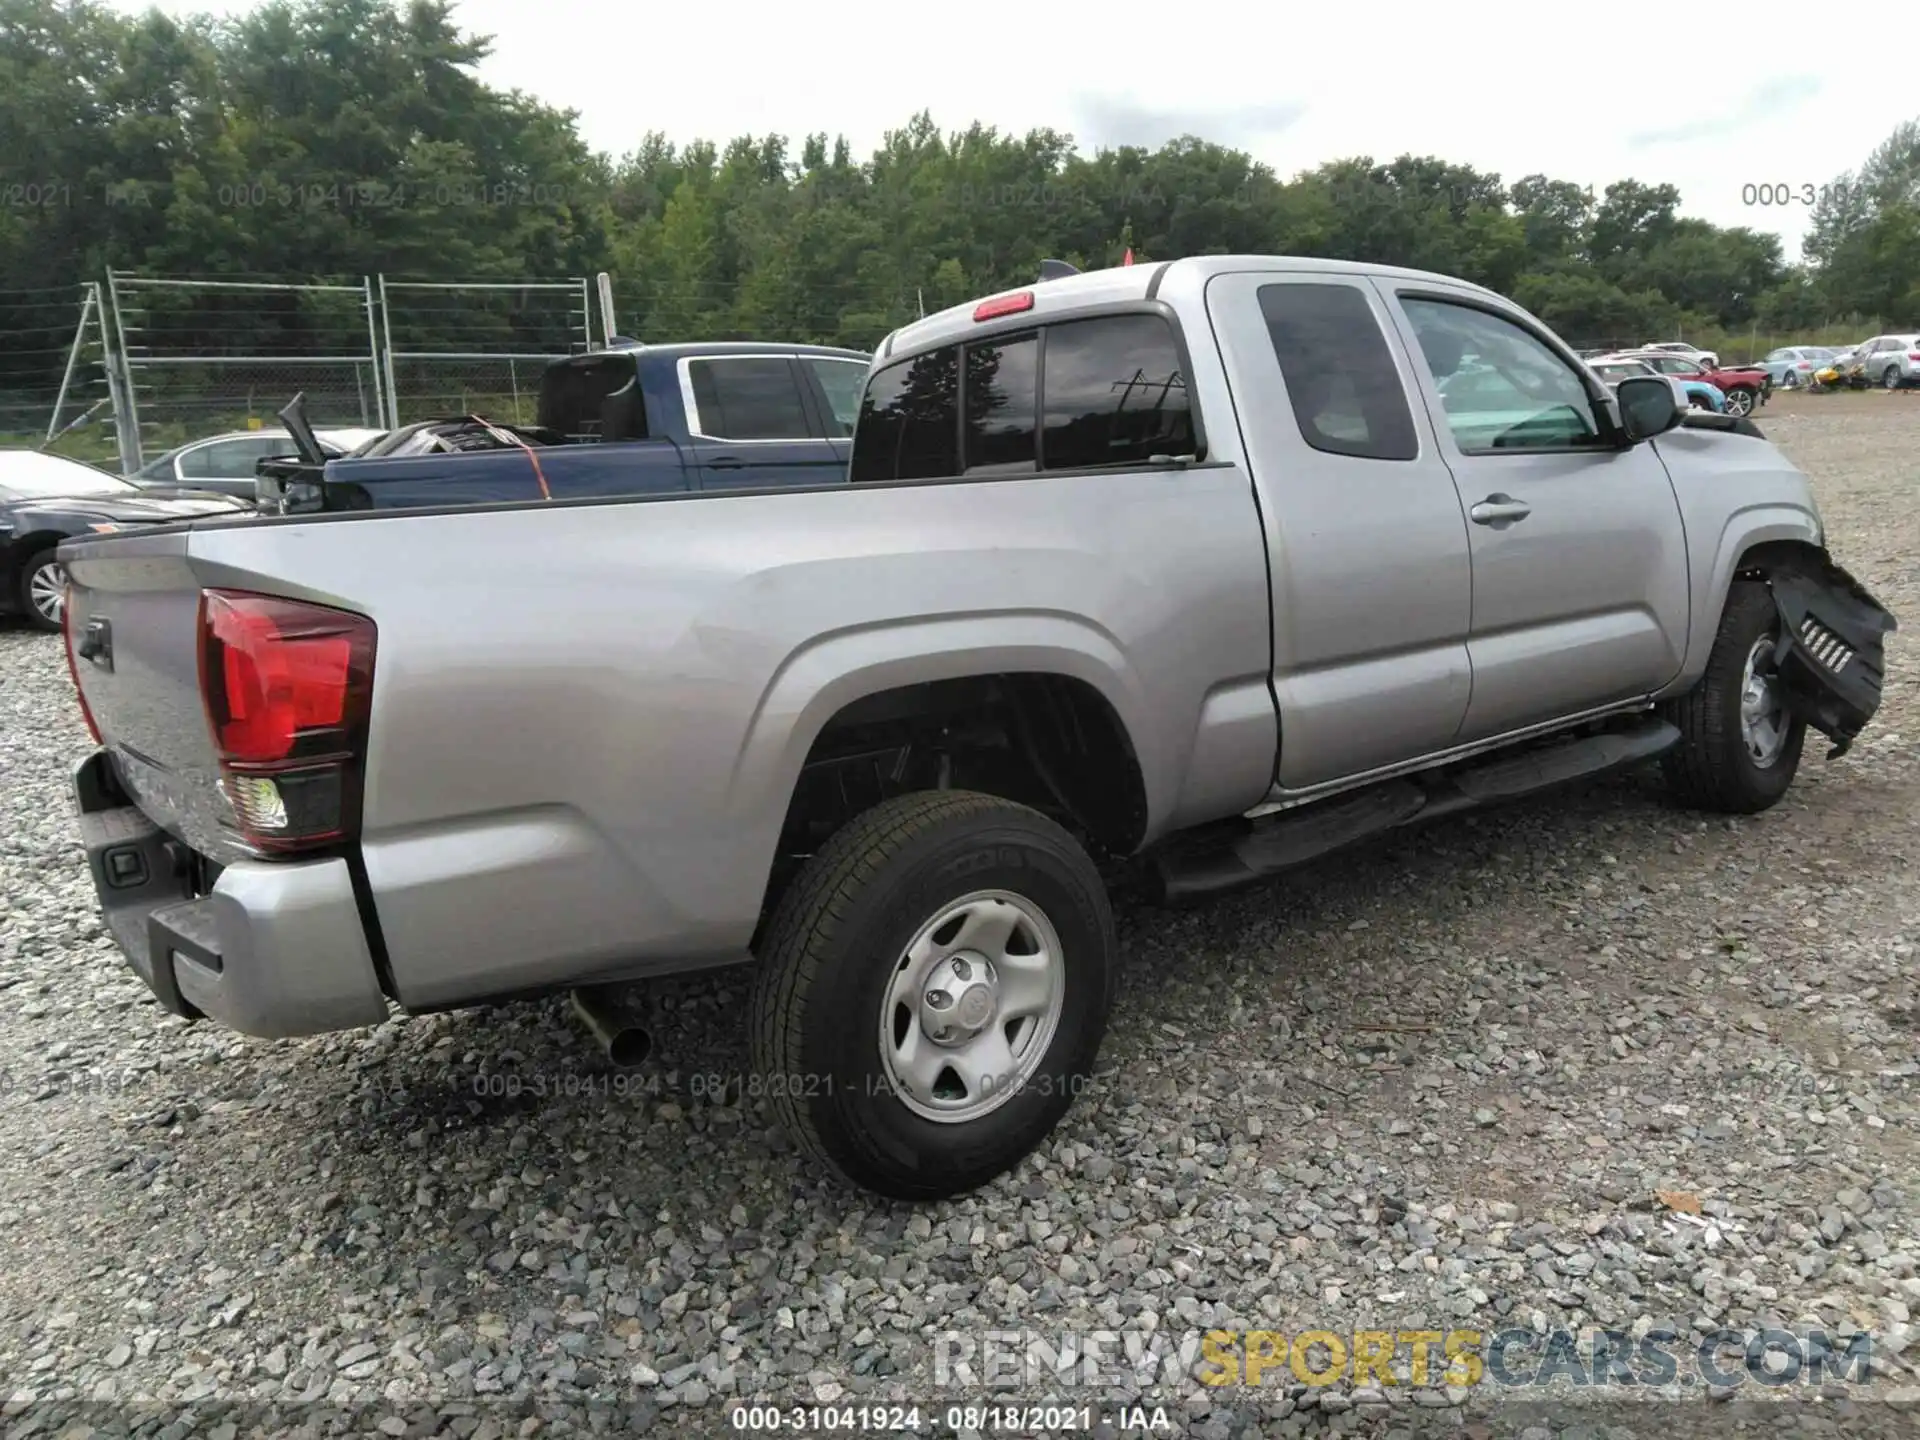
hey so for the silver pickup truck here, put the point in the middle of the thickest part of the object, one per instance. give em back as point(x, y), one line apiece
point(1184, 574)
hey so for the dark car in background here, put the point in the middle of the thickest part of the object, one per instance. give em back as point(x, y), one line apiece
point(45, 499)
point(629, 420)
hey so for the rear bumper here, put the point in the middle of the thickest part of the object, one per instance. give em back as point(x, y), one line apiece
point(274, 949)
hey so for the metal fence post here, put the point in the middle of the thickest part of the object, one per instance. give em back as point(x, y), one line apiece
point(73, 360)
point(607, 328)
point(373, 354)
point(386, 330)
point(126, 415)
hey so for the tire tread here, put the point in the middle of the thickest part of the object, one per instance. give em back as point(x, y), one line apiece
point(806, 923)
point(1700, 769)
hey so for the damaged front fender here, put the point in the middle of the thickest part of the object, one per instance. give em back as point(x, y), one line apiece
point(1830, 658)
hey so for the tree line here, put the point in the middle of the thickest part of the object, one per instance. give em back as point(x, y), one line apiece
point(339, 138)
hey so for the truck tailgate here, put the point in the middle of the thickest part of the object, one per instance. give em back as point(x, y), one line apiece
point(133, 616)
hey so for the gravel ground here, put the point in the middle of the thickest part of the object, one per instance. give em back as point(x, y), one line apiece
point(1433, 1084)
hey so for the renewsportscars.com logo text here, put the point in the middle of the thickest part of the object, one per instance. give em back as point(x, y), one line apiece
point(1514, 1358)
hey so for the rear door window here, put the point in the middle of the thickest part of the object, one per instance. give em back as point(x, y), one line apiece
point(232, 459)
point(841, 381)
point(909, 427)
point(1346, 394)
point(748, 397)
point(1115, 393)
point(1000, 378)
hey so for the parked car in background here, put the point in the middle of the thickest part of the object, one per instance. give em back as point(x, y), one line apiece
point(1744, 388)
point(1890, 361)
point(45, 499)
point(1847, 368)
point(1792, 367)
point(631, 420)
point(1698, 392)
point(1706, 358)
point(1832, 373)
point(1183, 566)
point(225, 464)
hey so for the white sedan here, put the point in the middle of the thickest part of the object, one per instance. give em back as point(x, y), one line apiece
point(225, 463)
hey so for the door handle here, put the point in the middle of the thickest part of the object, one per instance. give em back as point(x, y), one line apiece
point(1500, 511)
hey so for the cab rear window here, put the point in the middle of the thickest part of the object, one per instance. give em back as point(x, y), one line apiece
point(1113, 388)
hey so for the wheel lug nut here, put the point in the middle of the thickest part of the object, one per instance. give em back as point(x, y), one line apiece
point(962, 969)
point(939, 999)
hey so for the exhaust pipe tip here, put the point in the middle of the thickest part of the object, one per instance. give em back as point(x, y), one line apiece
point(629, 1048)
point(625, 1042)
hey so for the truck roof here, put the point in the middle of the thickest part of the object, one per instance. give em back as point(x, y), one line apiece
point(1136, 282)
point(679, 349)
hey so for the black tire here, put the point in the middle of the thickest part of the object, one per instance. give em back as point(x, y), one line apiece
point(35, 566)
point(829, 956)
point(1711, 768)
point(1741, 399)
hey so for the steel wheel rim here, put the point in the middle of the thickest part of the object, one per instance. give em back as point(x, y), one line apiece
point(47, 592)
point(1763, 712)
point(972, 1006)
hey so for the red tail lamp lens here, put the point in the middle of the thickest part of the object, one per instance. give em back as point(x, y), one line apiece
point(287, 686)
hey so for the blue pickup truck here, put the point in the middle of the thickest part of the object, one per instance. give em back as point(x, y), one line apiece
point(630, 420)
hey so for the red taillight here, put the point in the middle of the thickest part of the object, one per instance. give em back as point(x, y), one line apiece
point(1003, 305)
point(73, 664)
point(287, 687)
point(1913, 354)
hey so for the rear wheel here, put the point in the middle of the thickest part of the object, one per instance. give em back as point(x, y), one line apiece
point(43, 591)
point(1739, 747)
point(1890, 377)
point(1740, 400)
point(932, 992)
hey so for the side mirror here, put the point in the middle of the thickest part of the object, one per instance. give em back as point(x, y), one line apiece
point(1650, 405)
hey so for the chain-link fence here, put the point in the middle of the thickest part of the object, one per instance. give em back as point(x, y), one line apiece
point(480, 347)
point(53, 380)
point(205, 356)
point(498, 387)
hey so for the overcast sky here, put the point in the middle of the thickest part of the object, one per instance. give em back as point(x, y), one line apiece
point(1711, 100)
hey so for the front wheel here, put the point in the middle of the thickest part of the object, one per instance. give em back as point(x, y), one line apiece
point(43, 591)
point(932, 992)
point(1739, 747)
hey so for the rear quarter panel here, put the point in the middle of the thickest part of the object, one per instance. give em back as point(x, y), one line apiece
point(588, 720)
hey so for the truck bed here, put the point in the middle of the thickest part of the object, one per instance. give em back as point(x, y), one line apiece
point(602, 707)
point(485, 477)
